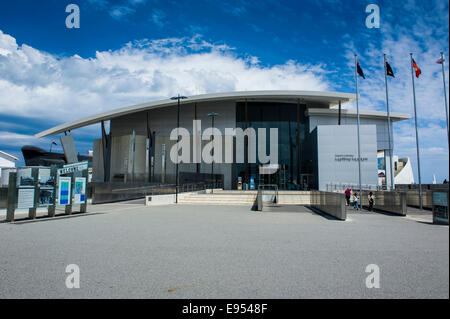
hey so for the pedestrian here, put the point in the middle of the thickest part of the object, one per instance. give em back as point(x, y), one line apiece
point(355, 201)
point(371, 199)
point(348, 193)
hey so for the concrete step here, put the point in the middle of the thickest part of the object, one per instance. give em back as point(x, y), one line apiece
point(214, 200)
point(222, 197)
point(219, 199)
point(235, 192)
point(215, 203)
point(234, 197)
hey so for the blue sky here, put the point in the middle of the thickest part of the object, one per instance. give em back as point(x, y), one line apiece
point(131, 51)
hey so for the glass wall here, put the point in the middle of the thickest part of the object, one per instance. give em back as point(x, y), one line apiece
point(282, 116)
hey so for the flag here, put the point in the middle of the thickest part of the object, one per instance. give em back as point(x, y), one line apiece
point(359, 70)
point(389, 70)
point(440, 61)
point(416, 68)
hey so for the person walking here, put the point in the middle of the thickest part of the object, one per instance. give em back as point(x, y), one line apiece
point(348, 193)
point(355, 201)
point(371, 199)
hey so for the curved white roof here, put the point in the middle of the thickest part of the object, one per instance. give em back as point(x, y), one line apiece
point(315, 97)
point(366, 113)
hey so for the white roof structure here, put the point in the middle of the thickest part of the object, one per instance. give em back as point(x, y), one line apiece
point(363, 114)
point(314, 97)
point(8, 156)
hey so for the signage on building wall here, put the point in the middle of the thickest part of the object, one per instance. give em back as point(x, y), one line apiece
point(348, 158)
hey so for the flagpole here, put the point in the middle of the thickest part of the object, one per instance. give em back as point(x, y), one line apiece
point(391, 151)
point(445, 98)
point(417, 135)
point(359, 144)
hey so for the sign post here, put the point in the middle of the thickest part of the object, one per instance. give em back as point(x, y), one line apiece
point(32, 210)
point(52, 203)
point(12, 195)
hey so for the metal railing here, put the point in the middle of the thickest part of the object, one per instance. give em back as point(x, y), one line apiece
point(340, 187)
point(117, 191)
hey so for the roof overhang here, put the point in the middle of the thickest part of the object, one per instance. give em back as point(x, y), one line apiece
point(312, 97)
point(352, 113)
point(12, 157)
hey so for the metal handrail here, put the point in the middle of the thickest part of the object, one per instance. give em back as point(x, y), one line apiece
point(262, 186)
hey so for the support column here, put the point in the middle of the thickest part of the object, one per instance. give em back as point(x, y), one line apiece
point(298, 142)
point(12, 195)
point(149, 151)
point(246, 144)
point(197, 165)
point(104, 148)
point(339, 113)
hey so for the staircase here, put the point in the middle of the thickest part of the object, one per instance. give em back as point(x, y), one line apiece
point(220, 197)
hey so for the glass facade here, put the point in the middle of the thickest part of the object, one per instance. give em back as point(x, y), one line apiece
point(282, 116)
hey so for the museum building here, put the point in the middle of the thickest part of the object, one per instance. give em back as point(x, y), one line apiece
point(316, 139)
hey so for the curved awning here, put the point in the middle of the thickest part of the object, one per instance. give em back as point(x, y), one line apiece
point(314, 97)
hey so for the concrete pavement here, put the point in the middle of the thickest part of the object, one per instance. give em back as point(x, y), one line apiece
point(127, 250)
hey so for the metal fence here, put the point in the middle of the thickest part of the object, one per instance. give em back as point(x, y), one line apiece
point(340, 187)
point(118, 191)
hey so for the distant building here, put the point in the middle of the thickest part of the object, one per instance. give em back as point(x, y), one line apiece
point(403, 172)
point(7, 164)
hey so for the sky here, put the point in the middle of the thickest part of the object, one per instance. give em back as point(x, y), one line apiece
point(132, 51)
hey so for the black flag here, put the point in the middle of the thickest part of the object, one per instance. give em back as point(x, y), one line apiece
point(359, 70)
point(389, 70)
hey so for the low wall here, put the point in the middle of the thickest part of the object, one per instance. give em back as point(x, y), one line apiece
point(117, 191)
point(295, 198)
point(387, 201)
point(412, 198)
point(330, 203)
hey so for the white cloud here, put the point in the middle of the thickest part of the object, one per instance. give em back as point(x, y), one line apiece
point(158, 17)
point(117, 12)
point(14, 139)
point(34, 83)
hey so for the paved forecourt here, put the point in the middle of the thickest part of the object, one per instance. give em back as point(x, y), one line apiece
point(128, 250)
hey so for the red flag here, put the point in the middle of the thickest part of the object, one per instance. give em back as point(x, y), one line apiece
point(416, 68)
point(440, 61)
